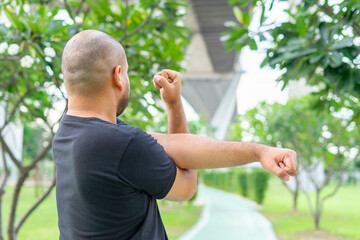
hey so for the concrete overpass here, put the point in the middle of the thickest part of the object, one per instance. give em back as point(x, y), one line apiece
point(212, 75)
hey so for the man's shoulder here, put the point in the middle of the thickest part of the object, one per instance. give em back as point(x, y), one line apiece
point(134, 132)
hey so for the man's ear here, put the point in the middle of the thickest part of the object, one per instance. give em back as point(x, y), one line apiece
point(116, 78)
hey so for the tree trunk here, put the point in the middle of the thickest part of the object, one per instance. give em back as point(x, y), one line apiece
point(317, 220)
point(37, 182)
point(3, 180)
point(295, 197)
point(318, 210)
point(296, 193)
point(1, 223)
point(15, 197)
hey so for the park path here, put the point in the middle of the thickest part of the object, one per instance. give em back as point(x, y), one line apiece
point(227, 216)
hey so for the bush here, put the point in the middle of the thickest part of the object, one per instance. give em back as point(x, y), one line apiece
point(259, 182)
point(252, 185)
point(243, 184)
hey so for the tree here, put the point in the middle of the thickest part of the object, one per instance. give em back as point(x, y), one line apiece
point(328, 137)
point(32, 39)
point(319, 42)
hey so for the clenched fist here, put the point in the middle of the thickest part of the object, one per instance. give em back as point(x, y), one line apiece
point(169, 83)
point(280, 161)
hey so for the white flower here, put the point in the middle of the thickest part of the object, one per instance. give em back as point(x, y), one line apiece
point(48, 59)
point(26, 61)
point(3, 47)
point(26, 8)
point(78, 19)
point(13, 49)
point(50, 52)
point(49, 70)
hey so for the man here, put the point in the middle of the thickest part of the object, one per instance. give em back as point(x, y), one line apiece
point(109, 174)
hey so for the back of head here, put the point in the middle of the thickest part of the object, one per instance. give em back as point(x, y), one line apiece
point(88, 62)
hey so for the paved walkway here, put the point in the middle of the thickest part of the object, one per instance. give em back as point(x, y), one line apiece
point(226, 216)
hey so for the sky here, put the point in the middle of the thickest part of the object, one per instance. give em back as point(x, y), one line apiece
point(259, 84)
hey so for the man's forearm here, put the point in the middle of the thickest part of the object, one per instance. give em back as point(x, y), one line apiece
point(197, 152)
point(176, 118)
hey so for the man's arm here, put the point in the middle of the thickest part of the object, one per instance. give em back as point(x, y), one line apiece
point(197, 152)
point(169, 83)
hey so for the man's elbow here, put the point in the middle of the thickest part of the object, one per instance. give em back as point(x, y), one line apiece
point(192, 188)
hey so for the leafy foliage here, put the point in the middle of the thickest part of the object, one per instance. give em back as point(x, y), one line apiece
point(259, 183)
point(318, 42)
point(243, 184)
point(330, 137)
point(149, 31)
point(32, 37)
point(249, 184)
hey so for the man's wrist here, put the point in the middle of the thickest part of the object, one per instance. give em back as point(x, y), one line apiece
point(174, 104)
point(260, 150)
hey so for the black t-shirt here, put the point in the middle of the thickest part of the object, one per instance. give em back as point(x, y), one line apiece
point(108, 177)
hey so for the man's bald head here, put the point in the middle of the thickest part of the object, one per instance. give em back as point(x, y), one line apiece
point(89, 60)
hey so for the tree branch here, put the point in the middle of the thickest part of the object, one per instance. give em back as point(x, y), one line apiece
point(80, 7)
point(7, 83)
point(3, 181)
point(12, 156)
point(126, 17)
point(16, 106)
point(309, 201)
point(40, 155)
point(8, 57)
point(329, 174)
point(36, 204)
point(20, 182)
point(141, 25)
point(4, 175)
point(329, 11)
point(15, 198)
point(335, 189)
point(69, 10)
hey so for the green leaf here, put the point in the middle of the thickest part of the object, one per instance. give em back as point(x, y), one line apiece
point(343, 43)
point(55, 27)
point(293, 55)
point(238, 14)
point(247, 18)
point(32, 51)
point(252, 44)
point(262, 18)
point(231, 2)
point(335, 60)
point(15, 21)
point(301, 26)
point(324, 32)
point(316, 58)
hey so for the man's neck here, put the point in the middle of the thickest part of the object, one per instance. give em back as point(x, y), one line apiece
point(91, 108)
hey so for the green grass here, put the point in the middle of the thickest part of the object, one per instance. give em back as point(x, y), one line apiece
point(178, 217)
point(42, 224)
point(341, 214)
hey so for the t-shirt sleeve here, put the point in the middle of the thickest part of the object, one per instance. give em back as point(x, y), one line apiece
point(146, 166)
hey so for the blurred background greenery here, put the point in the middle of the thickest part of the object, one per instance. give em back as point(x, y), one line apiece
point(318, 43)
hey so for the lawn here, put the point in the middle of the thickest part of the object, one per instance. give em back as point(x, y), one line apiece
point(42, 224)
point(178, 218)
point(340, 220)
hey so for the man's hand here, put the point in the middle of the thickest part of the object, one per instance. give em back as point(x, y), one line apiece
point(169, 83)
point(280, 161)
